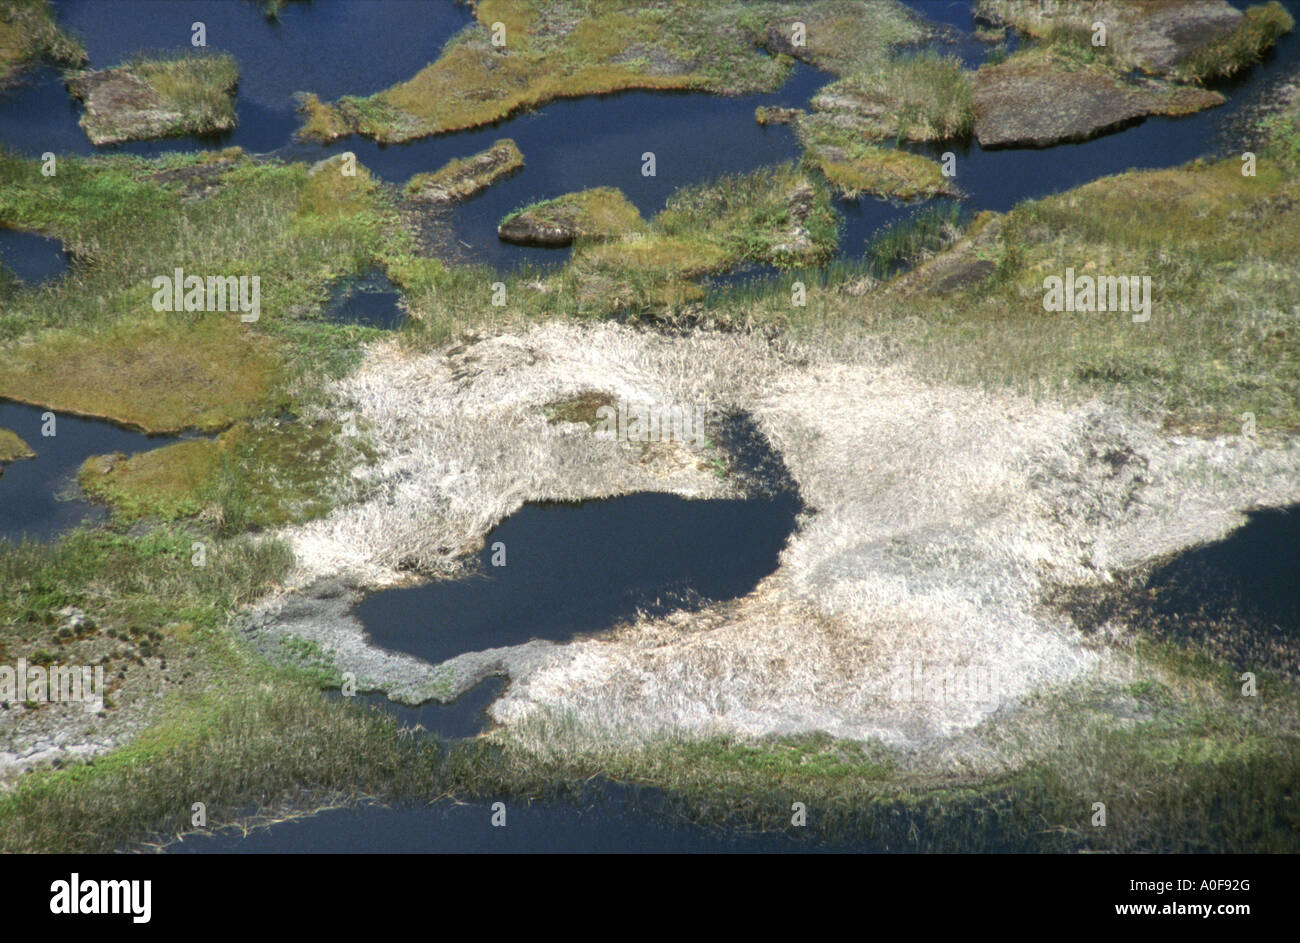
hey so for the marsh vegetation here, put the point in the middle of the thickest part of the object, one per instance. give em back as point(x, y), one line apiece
point(916, 383)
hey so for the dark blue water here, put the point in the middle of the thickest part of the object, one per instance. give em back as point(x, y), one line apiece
point(570, 568)
point(330, 47)
point(36, 494)
point(336, 47)
point(370, 300)
point(618, 822)
point(580, 568)
point(32, 257)
point(464, 717)
point(1240, 596)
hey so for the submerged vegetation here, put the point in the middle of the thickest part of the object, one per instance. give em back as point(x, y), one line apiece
point(925, 232)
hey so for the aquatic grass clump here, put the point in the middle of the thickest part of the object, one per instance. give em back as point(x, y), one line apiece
point(776, 214)
point(198, 84)
point(908, 240)
point(28, 32)
point(1258, 29)
point(158, 96)
point(856, 167)
point(597, 213)
point(463, 177)
point(12, 447)
point(923, 97)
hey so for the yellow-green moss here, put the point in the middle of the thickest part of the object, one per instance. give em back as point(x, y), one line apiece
point(158, 377)
point(595, 213)
point(29, 33)
point(12, 447)
point(465, 176)
point(856, 167)
point(606, 46)
point(164, 482)
point(253, 475)
point(149, 98)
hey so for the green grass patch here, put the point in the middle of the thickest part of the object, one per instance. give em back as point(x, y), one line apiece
point(1218, 248)
point(12, 447)
point(1258, 29)
point(29, 33)
point(89, 341)
point(144, 582)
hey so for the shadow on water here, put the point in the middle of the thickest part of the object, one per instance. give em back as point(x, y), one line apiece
point(555, 570)
point(1239, 595)
point(30, 256)
point(38, 496)
point(616, 819)
point(1237, 598)
point(583, 567)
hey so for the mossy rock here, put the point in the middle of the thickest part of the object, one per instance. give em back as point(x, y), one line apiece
point(152, 98)
point(595, 214)
point(13, 448)
point(460, 179)
point(1041, 98)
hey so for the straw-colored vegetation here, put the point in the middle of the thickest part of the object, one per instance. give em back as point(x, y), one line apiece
point(465, 176)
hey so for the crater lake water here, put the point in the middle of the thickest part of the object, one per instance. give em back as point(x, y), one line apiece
point(554, 570)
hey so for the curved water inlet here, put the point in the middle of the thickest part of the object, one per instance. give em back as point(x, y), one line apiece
point(39, 498)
